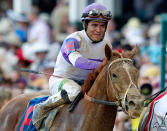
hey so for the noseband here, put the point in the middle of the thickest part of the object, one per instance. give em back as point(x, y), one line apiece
point(118, 102)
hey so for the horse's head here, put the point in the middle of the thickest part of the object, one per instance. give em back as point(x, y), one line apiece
point(123, 81)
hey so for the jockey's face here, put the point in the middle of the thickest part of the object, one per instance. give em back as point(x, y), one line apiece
point(96, 30)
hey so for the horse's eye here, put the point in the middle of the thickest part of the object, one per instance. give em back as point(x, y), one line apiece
point(114, 75)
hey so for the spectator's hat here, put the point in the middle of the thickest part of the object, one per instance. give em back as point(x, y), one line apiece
point(8, 60)
point(134, 22)
point(12, 39)
point(20, 17)
point(152, 71)
point(44, 17)
point(5, 25)
point(135, 36)
point(154, 30)
point(40, 47)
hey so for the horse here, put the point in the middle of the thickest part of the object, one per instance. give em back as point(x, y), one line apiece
point(112, 84)
point(154, 118)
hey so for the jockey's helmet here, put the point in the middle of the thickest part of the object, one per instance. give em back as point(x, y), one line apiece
point(97, 12)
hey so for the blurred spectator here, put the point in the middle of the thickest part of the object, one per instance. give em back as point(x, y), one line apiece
point(22, 62)
point(40, 49)
point(10, 43)
point(38, 30)
point(20, 24)
point(112, 34)
point(72, 28)
point(28, 50)
point(149, 70)
point(126, 47)
point(42, 81)
point(122, 122)
point(154, 50)
point(6, 26)
point(13, 41)
point(150, 73)
point(60, 21)
point(5, 82)
point(21, 84)
point(8, 60)
point(45, 17)
point(54, 49)
point(133, 31)
point(5, 96)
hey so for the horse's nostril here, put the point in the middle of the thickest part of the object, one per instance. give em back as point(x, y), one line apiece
point(131, 103)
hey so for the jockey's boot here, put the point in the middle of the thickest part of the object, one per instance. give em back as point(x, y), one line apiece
point(52, 102)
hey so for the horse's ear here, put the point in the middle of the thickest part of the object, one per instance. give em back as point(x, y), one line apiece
point(133, 52)
point(108, 51)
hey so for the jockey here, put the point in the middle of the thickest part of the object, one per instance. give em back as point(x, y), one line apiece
point(81, 52)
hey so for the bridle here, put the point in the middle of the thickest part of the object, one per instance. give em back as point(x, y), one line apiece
point(118, 102)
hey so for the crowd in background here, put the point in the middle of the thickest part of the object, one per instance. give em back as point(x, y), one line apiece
point(33, 41)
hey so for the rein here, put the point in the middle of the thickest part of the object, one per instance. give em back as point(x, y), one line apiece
point(152, 97)
point(116, 103)
point(98, 101)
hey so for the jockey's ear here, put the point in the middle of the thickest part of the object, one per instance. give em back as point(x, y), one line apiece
point(108, 52)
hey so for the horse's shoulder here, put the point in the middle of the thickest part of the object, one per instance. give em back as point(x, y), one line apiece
point(65, 117)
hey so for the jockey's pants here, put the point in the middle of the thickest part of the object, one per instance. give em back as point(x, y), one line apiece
point(70, 86)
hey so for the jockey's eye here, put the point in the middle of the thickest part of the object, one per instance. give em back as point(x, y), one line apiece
point(114, 76)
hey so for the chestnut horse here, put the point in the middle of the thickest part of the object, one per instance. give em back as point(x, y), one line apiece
point(112, 84)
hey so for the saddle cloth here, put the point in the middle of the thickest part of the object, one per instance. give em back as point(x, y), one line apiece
point(26, 123)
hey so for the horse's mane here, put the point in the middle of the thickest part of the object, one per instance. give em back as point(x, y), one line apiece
point(92, 75)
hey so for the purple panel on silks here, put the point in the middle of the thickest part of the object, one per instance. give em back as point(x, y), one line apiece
point(99, 60)
point(87, 64)
point(69, 46)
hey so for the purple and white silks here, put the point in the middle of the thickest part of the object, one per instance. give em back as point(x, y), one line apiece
point(72, 45)
point(87, 64)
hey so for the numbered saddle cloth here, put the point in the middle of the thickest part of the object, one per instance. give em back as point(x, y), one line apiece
point(26, 121)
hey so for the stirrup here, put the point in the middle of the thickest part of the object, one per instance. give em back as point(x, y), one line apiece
point(75, 102)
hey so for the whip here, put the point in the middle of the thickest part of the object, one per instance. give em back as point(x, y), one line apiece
point(36, 72)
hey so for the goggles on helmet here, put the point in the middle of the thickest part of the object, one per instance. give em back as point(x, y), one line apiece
point(96, 13)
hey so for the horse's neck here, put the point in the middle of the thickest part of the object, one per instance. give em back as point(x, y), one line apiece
point(98, 89)
point(98, 113)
